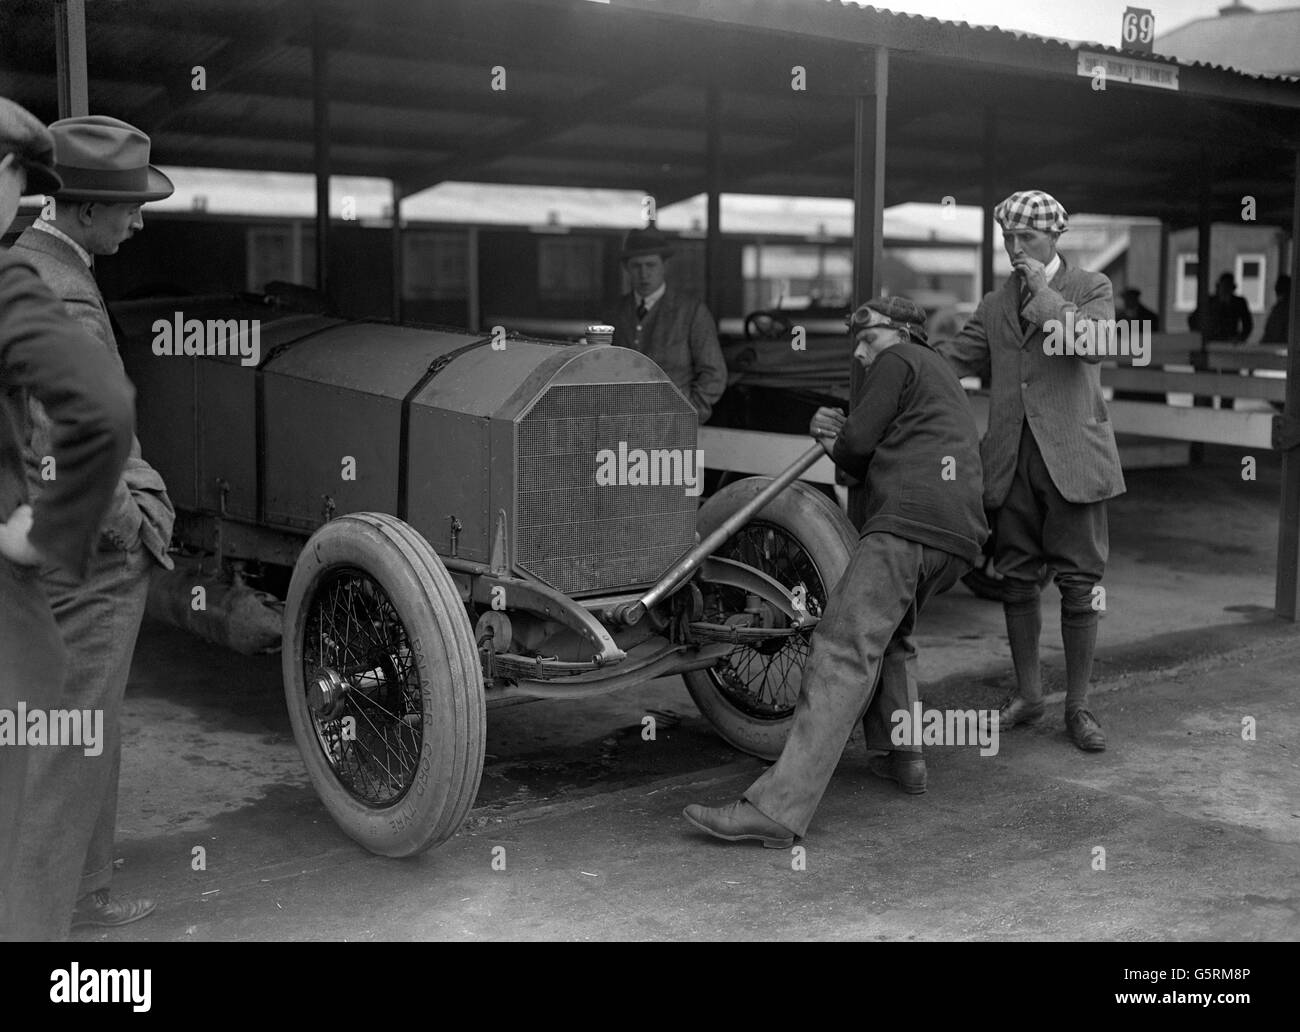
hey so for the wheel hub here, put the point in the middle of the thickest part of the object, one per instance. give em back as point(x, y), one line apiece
point(326, 693)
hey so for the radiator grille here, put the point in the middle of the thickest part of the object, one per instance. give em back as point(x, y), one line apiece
point(579, 536)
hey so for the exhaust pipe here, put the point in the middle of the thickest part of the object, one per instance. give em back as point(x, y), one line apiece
point(630, 613)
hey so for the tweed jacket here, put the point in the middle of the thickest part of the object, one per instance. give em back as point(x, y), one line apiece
point(679, 335)
point(141, 510)
point(45, 354)
point(1059, 395)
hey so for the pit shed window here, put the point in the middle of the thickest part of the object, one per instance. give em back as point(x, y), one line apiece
point(1251, 280)
point(1185, 297)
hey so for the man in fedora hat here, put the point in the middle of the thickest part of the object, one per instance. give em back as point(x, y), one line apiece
point(1050, 459)
point(46, 355)
point(674, 329)
point(104, 165)
point(911, 436)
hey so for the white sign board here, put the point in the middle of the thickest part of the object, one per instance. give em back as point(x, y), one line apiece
point(1129, 69)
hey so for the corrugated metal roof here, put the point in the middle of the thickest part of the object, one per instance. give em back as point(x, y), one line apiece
point(615, 96)
point(1049, 42)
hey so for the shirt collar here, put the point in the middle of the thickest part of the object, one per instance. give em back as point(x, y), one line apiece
point(49, 227)
point(1053, 267)
point(650, 300)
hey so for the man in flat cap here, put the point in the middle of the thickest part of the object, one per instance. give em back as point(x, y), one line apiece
point(104, 164)
point(911, 436)
point(674, 329)
point(1050, 460)
point(43, 354)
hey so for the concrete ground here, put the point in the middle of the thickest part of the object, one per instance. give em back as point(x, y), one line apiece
point(1182, 829)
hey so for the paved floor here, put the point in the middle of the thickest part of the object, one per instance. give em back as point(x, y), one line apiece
point(1200, 827)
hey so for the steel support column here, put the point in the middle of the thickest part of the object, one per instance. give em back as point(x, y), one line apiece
point(1204, 233)
point(475, 316)
point(713, 186)
point(869, 177)
point(988, 199)
point(1162, 289)
point(868, 216)
point(1287, 601)
point(398, 255)
point(321, 150)
point(70, 57)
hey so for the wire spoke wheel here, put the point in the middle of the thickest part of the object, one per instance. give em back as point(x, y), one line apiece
point(763, 680)
point(371, 737)
point(799, 538)
point(383, 684)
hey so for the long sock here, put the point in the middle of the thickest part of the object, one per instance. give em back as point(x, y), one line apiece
point(1024, 624)
point(1080, 641)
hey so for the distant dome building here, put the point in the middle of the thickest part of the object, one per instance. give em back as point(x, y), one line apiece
point(1261, 42)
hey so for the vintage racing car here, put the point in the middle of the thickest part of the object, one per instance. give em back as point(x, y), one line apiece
point(431, 505)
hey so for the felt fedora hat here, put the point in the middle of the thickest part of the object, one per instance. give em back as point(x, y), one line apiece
point(23, 136)
point(105, 159)
point(646, 241)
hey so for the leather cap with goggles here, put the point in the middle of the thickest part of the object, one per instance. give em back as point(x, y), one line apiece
point(894, 312)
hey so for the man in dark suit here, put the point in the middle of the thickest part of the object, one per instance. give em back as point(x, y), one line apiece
point(1276, 326)
point(43, 354)
point(1131, 307)
point(106, 175)
point(1229, 317)
point(911, 437)
point(1050, 459)
point(675, 330)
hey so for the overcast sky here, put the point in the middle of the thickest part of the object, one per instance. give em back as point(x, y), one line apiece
point(1096, 21)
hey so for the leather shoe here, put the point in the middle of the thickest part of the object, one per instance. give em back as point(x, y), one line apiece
point(97, 909)
point(1017, 711)
point(907, 768)
point(737, 822)
point(1084, 730)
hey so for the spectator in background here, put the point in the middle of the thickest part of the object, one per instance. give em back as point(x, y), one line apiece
point(1229, 315)
point(672, 328)
point(46, 355)
point(1275, 327)
point(1131, 308)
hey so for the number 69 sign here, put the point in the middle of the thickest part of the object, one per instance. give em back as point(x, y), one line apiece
point(1138, 30)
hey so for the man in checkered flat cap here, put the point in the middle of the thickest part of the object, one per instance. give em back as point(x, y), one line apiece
point(1050, 460)
point(911, 436)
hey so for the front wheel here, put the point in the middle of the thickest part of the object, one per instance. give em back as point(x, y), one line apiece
point(383, 684)
point(798, 537)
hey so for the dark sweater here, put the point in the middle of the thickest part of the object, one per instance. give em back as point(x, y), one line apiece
point(911, 418)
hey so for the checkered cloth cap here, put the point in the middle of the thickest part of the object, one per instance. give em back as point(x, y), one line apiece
point(1032, 209)
point(902, 315)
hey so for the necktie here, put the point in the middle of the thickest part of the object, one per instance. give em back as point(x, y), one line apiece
point(1025, 298)
point(641, 311)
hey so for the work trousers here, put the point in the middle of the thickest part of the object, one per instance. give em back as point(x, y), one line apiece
point(870, 619)
point(65, 847)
